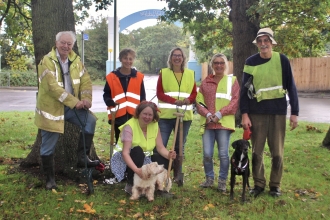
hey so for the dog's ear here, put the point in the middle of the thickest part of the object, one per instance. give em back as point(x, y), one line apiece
point(234, 144)
point(146, 171)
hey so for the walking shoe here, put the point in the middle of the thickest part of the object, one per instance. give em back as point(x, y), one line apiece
point(256, 191)
point(208, 183)
point(275, 191)
point(128, 188)
point(222, 185)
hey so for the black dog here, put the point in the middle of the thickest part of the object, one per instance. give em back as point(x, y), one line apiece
point(240, 165)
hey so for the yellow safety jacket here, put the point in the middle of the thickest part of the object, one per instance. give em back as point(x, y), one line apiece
point(180, 91)
point(222, 99)
point(147, 144)
point(52, 97)
point(267, 78)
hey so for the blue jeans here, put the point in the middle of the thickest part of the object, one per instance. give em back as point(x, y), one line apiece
point(166, 126)
point(49, 139)
point(222, 138)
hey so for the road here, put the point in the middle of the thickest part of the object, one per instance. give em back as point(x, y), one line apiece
point(314, 107)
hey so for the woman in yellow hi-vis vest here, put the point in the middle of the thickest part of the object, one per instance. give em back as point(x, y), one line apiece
point(175, 87)
point(217, 103)
point(139, 136)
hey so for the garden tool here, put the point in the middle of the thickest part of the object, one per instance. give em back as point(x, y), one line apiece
point(112, 134)
point(173, 146)
point(87, 172)
point(180, 174)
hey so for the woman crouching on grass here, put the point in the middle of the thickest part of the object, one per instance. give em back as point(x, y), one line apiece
point(138, 138)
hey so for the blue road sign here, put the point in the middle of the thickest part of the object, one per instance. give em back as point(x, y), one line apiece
point(86, 37)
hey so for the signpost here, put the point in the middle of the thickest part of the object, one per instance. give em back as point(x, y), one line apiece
point(84, 37)
point(110, 50)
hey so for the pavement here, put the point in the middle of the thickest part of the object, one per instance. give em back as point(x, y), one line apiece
point(314, 106)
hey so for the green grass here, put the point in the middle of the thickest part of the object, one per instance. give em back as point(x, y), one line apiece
point(305, 183)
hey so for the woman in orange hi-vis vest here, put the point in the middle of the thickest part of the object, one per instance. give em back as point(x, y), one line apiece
point(124, 86)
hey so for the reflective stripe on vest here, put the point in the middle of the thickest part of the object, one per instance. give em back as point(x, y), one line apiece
point(221, 100)
point(147, 143)
point(178, 91)
point(127, 102)
point(267, 78)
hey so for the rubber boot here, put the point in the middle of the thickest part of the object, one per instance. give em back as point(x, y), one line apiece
point(48, 167)
point(82, 155)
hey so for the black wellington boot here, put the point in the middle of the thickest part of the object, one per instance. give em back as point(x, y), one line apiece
point(82, 155)
point(48, 167)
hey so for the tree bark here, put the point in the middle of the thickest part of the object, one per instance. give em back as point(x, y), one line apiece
point(48, 18)
point(326, 140)
point(244, 32)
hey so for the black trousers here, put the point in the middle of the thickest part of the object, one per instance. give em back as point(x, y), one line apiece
point(138, 156)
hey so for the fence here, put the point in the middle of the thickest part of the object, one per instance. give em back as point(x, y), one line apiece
point(311, 74)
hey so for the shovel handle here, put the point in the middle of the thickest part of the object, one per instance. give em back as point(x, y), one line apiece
point(173, 144)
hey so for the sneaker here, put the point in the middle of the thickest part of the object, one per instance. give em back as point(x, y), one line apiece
point(208, 183)
point(222, 185)
point(256, 191)
point(275, 191)
point(128, 188)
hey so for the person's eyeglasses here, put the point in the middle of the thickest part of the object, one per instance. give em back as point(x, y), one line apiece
point(219, 63)
point(259, 41)
point(177, 55)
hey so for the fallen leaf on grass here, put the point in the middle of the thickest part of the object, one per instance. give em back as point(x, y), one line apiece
point(137, 215)
point(122, 201)
point(208, 206)
point(54, 191)
point(87, 209)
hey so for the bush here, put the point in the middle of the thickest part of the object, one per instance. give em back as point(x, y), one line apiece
point(18, 78)
point(95, 73)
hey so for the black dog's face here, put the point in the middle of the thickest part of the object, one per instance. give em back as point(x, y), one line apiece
point(241, 145)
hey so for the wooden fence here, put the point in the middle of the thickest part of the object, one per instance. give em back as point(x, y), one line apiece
point(311, 74)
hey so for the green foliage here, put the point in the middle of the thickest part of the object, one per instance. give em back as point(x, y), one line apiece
point(301, 27)
point(153, 45)
point(95, 49)
point(304, 186)
point(18, 78)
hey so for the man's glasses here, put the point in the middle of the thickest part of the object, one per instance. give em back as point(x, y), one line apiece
point(219, 63)
point(259, 41)
point(177, 55)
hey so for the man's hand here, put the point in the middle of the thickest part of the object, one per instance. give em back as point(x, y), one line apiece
point(79, 105)
point(87, 104)
point(246, 122)
point(293, 122)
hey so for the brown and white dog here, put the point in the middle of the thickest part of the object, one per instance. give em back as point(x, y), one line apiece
point(154, 176)
point(240, 165)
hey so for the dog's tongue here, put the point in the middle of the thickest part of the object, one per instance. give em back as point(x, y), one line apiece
point(247, 134)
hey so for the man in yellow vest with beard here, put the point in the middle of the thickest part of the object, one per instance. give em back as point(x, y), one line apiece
point(266, 87)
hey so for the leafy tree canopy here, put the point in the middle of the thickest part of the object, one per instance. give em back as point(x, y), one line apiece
point(301, 27)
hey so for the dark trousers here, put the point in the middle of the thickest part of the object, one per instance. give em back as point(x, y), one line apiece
point(138, 156)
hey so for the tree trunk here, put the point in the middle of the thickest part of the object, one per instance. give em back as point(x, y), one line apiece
point(48, 18)
point(244, 32)
point(326, 140)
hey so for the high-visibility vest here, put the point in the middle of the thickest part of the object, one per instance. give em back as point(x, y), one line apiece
point(147, 143)
point(127, 102)
point(267, 78)
point(222, 99)
point(180, 91)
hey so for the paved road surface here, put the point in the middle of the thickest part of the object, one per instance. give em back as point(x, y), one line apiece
point(314, 107)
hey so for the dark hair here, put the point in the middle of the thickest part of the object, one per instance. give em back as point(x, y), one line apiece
point(123, 53)
point(145, 104)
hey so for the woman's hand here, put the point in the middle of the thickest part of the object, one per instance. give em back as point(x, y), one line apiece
point(138, 171)
point(171, 154)
point(178, 102)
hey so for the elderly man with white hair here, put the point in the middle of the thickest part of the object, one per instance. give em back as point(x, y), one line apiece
point(64, 94)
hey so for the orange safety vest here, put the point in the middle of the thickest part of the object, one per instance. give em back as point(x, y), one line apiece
point(127, 102)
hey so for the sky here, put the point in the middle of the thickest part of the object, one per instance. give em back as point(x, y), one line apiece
point(127, 7)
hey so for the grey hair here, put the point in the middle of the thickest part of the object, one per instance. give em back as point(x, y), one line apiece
point(71, 33)
point(169, 61)
point(220, 55)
